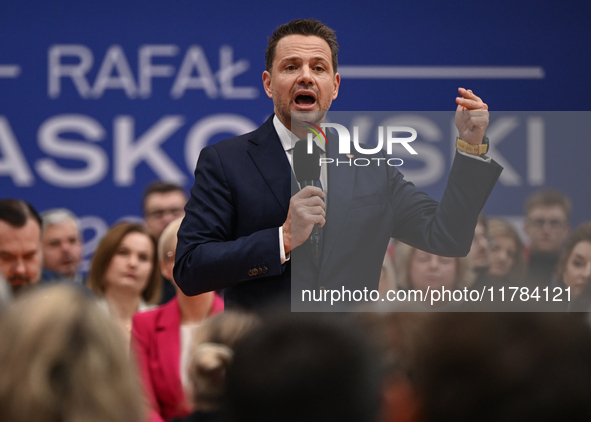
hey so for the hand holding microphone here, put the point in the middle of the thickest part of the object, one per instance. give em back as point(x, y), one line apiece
point(307, 209)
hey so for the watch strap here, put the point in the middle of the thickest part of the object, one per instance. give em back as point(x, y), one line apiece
point(479, 149)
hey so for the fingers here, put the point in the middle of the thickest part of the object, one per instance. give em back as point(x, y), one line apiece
point(469, 100)
point(310, 191)
point(471, 116)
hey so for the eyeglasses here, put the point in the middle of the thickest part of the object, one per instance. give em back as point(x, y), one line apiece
point(553, 223)
point(175, 212)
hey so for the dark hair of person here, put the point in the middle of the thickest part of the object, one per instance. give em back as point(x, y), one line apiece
point(304, 368)
point(548, 197)
point(16, 212)
point(107, 249)
point(308, 27)
point(510, 367)
point(581, 234)
point(159, 187)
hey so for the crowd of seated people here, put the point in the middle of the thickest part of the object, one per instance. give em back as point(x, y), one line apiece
point(98, 347)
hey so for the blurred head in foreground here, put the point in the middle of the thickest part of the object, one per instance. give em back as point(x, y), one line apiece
point(302, 368)
point(503, 367)
point(212, 354)
point(62, 359)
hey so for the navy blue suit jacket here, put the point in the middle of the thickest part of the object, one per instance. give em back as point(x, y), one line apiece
point(229, 237)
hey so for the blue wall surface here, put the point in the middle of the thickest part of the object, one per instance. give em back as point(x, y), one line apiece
point(100, 98)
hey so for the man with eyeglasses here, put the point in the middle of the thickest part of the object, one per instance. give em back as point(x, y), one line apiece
point(546, 224)
point(163, 203)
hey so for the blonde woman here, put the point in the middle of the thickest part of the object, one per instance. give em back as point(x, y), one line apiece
point(507, 254)
point(420, 270)
point(211, 355)
point(63, 359)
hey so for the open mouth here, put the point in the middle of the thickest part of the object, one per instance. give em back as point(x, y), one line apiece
point(305, 99)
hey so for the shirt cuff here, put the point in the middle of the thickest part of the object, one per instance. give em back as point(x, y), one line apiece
point(484, 158)
point(284, 258)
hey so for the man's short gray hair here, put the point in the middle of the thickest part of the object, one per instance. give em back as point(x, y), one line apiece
point(58, 216)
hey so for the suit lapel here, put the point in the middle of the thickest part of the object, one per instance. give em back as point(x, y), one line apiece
point(341, 180)
point(270, 159)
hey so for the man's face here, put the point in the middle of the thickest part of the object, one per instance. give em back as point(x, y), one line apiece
point(162, 208)
point(20, 253)
point(303, 78)
point(62, 248)
point(480, 249)
point(547, 228)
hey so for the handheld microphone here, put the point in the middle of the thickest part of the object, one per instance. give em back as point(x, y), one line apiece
point(306, 168)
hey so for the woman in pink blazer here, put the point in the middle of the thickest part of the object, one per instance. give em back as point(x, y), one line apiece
point(161, 338)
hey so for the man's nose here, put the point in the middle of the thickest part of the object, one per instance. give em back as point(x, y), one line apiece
point(19, 267)
point(305, 76)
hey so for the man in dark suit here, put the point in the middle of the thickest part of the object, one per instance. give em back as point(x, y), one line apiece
point(245, 232)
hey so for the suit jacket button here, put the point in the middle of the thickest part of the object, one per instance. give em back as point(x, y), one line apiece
point(255, 271)
point(260, 270)
point(265, 269)
point(250, 272)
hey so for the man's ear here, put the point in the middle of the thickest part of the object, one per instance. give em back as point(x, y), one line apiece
point(337, 84)
point(267, 83)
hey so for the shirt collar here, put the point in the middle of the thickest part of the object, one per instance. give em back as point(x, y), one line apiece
point(288, 138)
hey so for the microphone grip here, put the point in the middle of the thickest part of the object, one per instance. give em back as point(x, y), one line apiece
point(315, 235)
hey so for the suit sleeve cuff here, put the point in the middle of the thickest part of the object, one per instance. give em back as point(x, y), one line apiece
point(484, 158)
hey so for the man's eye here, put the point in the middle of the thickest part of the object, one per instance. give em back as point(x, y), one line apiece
point(319, 68)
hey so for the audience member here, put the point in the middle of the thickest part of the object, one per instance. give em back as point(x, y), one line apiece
point(125, 274)
point(513, 366)
point(392, 335)
point(211, 355)
point(423, 271)
point(5, 295)
point(307, 368)
point(479, 255)
point(62, 359)
point(574, 266)
point(162, 338)
point(387, 276)
point(507, 255)
point(162, 203)
point(20, 243)
point(546, 224)
point(62, 246)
